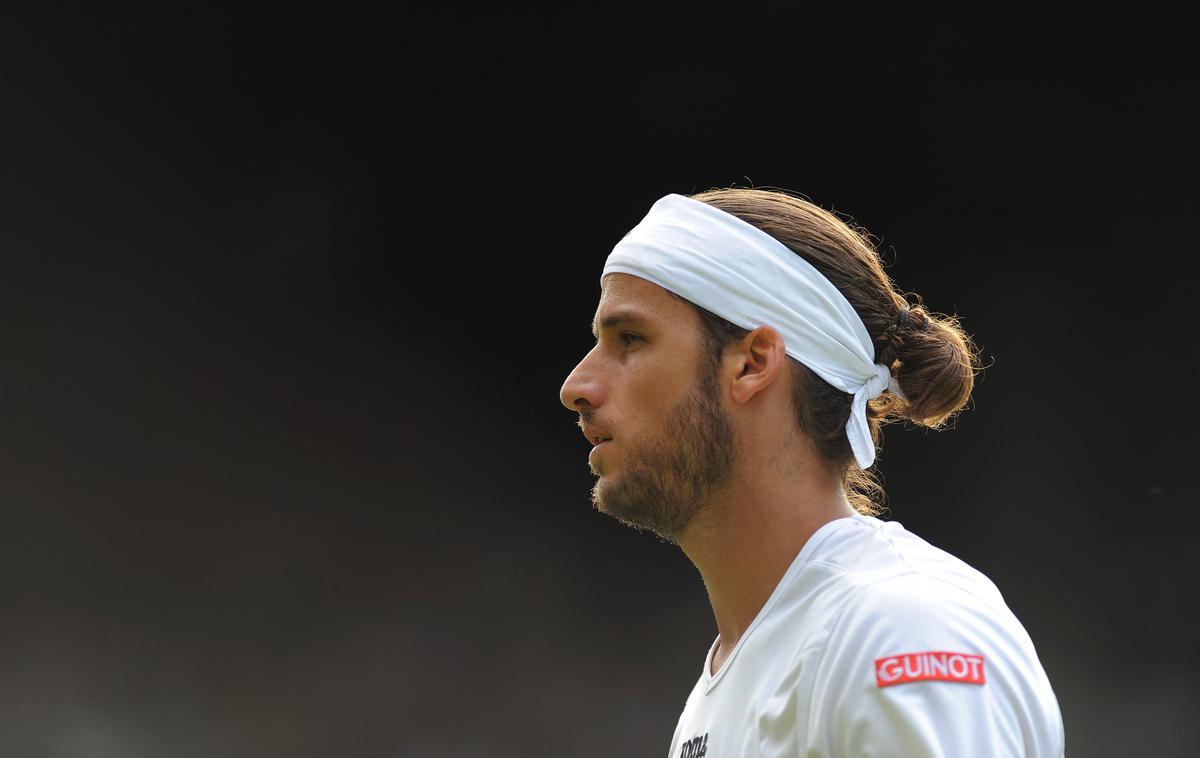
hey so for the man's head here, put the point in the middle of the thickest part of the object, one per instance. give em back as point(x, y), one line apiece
point(666, 397)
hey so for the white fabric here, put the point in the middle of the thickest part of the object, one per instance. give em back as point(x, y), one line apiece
point(802, 680)
point(747, 277)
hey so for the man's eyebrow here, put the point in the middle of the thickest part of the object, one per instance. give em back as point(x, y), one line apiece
point(618, 319)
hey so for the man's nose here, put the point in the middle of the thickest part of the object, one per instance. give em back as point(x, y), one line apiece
point(583, 387)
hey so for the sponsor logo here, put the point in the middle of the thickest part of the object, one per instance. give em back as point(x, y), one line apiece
point(937, 666)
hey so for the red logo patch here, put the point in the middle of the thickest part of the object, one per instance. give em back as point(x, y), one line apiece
point(932, 666)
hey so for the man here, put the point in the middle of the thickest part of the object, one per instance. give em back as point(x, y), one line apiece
point(749, 346)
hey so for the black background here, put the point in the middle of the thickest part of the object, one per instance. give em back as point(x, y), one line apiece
point(287, 298)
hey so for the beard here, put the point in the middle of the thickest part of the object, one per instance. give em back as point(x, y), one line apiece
point(667, 482)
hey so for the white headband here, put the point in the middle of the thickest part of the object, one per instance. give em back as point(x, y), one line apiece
point(747, 277)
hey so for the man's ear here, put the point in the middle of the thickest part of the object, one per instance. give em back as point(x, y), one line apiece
point(759, 358)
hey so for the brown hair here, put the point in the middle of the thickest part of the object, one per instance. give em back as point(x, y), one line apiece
point(933, 360)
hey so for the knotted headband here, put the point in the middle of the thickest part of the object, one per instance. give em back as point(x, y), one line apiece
point(747, 277)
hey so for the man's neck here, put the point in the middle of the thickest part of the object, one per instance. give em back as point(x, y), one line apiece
point(744, 542)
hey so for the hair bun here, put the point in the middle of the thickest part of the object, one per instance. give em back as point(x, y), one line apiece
point(937, 369)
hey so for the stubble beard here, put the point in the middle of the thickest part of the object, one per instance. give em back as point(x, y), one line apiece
point(665, 483)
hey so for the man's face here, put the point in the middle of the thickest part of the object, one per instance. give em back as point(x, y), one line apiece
point(648, 400)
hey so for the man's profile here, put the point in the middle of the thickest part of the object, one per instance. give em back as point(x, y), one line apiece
point(749, 346)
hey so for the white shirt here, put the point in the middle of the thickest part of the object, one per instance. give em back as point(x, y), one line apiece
point(875, 643)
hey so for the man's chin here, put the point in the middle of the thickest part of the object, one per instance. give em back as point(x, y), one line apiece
point(607, 496)
point(600, 495)
point(613, 505)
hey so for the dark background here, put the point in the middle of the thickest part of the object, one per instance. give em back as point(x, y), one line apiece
point(286, 299)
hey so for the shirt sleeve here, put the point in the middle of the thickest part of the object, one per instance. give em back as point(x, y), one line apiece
point(918, 668)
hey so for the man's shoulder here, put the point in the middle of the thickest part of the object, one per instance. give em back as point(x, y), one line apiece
point(872, 584)
point(896, 629)
point(917, 598)
point(884, 559)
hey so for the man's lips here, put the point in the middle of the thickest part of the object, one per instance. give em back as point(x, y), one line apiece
point(594, 435)
point(598, 436)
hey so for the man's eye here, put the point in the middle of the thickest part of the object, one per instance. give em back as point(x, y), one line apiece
point(628, 338)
